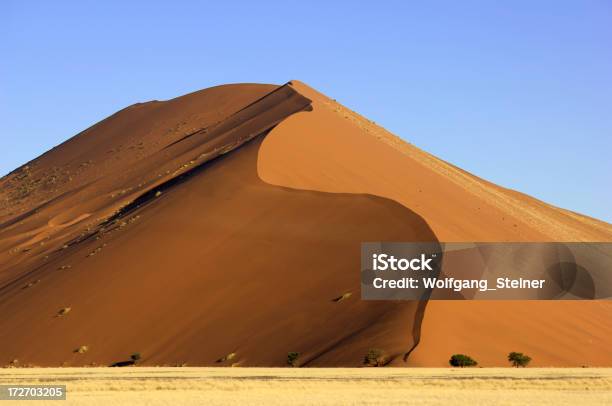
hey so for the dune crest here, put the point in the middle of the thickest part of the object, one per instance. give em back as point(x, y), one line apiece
point(335, 149)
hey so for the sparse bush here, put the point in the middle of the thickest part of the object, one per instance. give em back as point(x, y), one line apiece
point(64, 311)
point(135, 357)
point(292, 358)
point(227, 357)
point(82, 349)
point(518, 359)
point(344, 296)
point(462, 360)
point(375, 358)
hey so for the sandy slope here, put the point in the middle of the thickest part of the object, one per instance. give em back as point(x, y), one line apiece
point(334, 149)
point(201, 261)
point(226, 221)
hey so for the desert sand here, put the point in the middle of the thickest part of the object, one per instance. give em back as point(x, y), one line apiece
point(321, 386)
point(228, 220)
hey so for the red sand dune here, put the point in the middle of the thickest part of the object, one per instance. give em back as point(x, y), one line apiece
point(227, 220)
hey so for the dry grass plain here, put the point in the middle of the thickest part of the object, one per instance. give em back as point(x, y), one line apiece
point(360, 386)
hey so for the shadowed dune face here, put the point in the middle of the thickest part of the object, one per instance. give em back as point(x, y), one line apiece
point(117, 142)
point(105, 167)
point(40, 225)
point(209, 262)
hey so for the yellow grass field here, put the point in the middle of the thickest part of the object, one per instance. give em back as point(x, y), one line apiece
point(333, 386)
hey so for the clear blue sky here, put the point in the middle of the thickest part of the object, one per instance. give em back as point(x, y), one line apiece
point(519, 93)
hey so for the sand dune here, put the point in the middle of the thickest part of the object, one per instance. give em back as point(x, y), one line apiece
point(226, 221)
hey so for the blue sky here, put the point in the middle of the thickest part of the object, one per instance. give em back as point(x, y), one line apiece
point(519, 93)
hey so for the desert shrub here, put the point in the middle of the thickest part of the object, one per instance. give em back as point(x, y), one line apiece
point(63, 311)
point(375, 358)
point(135, 357)
point(292, 358)
point(518, 359)
point(462, 360)
point(82, 349)
point(344, 296)
point(227, 357)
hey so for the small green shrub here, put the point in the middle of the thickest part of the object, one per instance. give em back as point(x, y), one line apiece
point(462, 360)
point(375, 358)
point(292, 358)
point(518, 359)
